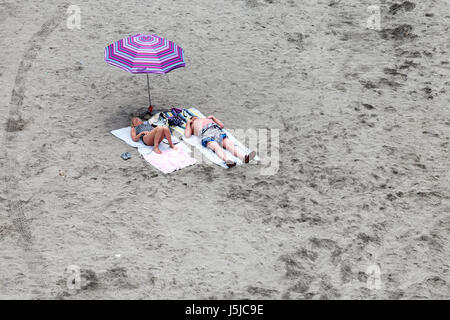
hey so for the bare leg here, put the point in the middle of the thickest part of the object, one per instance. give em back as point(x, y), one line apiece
point(214, 146)
point(149, 139)
point(220, 153)
point(159, 135)
point(168, 136)
point(227, 144)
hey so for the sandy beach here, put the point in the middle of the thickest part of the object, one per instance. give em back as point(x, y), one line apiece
point(361, 188)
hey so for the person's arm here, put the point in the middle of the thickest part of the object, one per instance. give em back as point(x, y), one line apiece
point(135, 136)
point(188, 129)
point(220, 124)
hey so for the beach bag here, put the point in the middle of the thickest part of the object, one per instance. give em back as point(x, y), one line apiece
point(175, 121)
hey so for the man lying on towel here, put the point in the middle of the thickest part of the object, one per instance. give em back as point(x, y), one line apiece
point(210, 131)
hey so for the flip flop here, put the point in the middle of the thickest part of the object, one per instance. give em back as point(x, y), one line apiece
point(125, 156)
point(230, 164)
point(250, 157)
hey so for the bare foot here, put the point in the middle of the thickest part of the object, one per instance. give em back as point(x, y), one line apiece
point(174, 147)
point(156, 149)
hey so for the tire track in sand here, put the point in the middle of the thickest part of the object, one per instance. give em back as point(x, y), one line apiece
point(14, 124)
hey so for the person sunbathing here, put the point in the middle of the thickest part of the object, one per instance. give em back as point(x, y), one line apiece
point(149, 135)
point(210, 131)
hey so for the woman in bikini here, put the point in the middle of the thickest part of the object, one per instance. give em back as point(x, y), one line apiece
point(149, 135)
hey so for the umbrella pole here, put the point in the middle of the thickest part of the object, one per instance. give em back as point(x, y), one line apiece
point(149, 96)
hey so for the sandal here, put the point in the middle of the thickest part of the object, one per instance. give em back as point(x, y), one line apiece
point(230, 164)
point(125, 156)
point(249, 157)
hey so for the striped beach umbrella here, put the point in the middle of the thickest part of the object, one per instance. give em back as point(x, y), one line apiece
point(145, 54)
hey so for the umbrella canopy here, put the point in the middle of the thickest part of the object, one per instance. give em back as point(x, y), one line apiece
point(145, 54)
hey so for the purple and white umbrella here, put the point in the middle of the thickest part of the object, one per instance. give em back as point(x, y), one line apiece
point(145, 54)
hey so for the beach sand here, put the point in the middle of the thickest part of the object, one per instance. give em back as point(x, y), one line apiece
point(362, 183)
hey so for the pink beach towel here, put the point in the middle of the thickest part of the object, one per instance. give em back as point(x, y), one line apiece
point(170, 160)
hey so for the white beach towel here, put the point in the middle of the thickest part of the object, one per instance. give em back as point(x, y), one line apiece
point(125, 135)
point(168, 162)
point(211, 155)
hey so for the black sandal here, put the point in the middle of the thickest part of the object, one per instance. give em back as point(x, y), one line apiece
point(230, 164)
point(249, 157)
